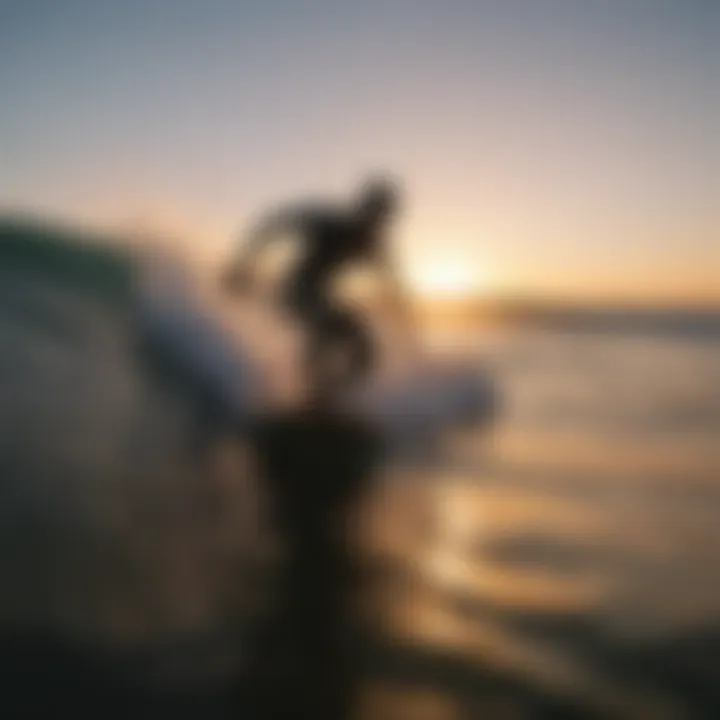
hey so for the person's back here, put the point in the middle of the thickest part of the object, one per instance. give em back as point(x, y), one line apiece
point(333, 242)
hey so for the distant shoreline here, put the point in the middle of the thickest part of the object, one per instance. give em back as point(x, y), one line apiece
point(697, 322)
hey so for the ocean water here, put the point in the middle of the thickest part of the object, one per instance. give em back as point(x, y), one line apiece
point(577, 542)
point(562, 562)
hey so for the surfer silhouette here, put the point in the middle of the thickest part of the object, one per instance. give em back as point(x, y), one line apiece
point(339, 348)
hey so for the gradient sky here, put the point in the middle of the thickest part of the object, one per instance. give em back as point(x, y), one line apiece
point(556, 146)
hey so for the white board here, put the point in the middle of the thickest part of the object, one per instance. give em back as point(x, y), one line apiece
point(414, 405)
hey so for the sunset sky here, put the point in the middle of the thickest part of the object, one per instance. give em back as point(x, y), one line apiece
point(554, 147)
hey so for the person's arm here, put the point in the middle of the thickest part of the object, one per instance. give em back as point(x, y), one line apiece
point(238, 274)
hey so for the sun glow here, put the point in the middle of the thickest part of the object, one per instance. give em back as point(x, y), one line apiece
point(449, 278)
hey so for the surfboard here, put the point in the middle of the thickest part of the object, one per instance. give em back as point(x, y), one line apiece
point(414, 404)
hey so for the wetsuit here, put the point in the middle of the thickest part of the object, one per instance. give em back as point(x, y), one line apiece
point(332, 242)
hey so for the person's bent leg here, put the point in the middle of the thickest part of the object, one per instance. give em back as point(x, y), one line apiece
point(349, 338)
point(359, 346)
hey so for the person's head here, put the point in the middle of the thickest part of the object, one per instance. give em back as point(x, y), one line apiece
point(379, 200)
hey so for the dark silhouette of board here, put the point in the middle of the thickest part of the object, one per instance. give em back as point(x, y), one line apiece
point(316, 464)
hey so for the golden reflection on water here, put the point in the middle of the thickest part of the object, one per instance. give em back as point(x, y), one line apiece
point(512, 559)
